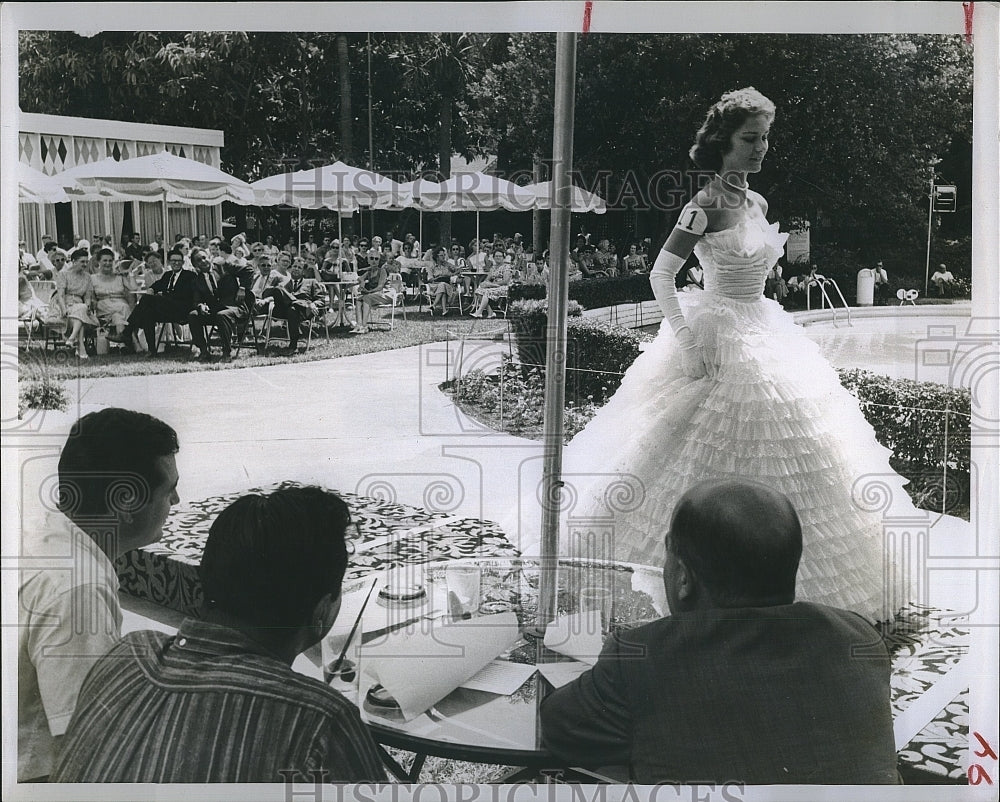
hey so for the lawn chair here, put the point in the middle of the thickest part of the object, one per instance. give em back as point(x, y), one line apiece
point(396, 290)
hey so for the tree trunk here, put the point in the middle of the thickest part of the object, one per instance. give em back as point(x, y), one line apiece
point(346, 114)
point(537, 231)
point(444, 164)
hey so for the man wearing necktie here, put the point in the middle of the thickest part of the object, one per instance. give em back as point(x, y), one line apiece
point(298, 300)
point(224, 302)
point(171, 301)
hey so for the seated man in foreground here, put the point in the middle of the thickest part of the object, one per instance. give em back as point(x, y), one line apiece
point(740, 683)
point(219, 701)
point(117, 482)
point(170, 301)
point(296, 301)
point(225, 302)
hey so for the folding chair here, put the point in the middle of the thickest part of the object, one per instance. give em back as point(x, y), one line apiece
point(177, 336)
point(35, 320)
point(396, 291)
point(282, 323)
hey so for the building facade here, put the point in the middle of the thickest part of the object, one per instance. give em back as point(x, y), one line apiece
point(53, 143)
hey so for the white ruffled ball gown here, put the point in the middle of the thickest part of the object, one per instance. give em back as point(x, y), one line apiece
point(772, 409)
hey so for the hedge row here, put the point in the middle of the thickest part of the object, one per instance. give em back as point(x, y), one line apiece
point(594, 293)
point(597, 352)
point(908, 416)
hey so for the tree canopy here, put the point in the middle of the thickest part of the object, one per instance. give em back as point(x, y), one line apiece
point(860, 118)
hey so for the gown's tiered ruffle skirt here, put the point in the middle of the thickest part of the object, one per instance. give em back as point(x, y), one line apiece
point(772, 410)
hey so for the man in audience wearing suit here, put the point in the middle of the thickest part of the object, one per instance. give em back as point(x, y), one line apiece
point(740, 683)
point(299, 300)
point(171, 302)
point(225, 302)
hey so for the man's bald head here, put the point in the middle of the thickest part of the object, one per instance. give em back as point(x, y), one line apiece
point(742, 541)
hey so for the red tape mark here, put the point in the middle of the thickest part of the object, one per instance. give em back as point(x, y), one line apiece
point(968, 8)
point(588, 7)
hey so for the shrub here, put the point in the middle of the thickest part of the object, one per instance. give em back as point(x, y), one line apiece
point(594, 293)
point(597, 352)
point(41, 394)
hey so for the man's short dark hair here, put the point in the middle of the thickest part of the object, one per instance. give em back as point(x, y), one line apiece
point(744, 548)
point(108, 464)
point(269, 559)
point(105, 252)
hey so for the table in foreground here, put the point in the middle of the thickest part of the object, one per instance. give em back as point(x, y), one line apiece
point(503, 729)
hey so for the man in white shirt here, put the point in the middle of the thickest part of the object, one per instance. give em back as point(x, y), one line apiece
point(943, 279)
point(117, 483)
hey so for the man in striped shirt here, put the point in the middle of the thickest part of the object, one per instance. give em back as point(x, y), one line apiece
point(219, 702)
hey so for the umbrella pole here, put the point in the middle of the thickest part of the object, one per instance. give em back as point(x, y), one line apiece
point(166, 234)
point(555, 363)
point(300, 230)
point(420, 230)
point(477, 226)
point(340, 232)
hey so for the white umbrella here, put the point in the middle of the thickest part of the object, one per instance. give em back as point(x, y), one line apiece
point(410, 195)
point(580, 201)
point(160, 177)
point(33, 186)
point(334, 186)
point(477, 192)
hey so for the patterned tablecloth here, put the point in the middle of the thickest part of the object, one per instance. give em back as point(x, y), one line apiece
point(391, 535)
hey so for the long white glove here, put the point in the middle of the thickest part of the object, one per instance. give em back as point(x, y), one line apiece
point(661, 277)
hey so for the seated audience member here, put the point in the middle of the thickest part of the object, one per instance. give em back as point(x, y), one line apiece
point(943, 280)
point(114, 291)
point(73, 301)
point(440, 279)
point(133, 249)
point(410, 265)
point(299, 300)
point(371, 291)
point(29, 305)
point(537, 272)
point(605, 259)
point(45, 267)
point(492, 288)
point(69, 618)
point(219, 702)
point(740, 683)
point(225, 302)
point(262, 279)
point(634, 262)
point(171, 301)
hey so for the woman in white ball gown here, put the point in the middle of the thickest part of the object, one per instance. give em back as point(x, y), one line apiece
point(732, 387)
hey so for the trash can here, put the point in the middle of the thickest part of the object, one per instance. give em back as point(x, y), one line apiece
point(866, 287)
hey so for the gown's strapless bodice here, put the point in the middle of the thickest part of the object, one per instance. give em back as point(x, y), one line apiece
point(736, 260)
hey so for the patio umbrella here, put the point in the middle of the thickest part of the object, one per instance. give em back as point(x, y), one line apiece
point(410, 195)
point(160, 177)
point(33, 186)
point(333, 186)
point(478, 192)
point(580, 201)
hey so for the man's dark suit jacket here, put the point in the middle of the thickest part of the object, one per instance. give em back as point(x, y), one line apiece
point(227, 286)
point(183, 291)
point(763, 695)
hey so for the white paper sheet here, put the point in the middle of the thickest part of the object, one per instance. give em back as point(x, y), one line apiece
point(577, 635)
point(422, 664)
point(560, 674)
point(500, 676)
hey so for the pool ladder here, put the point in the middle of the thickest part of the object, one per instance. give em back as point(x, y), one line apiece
point(825, 299)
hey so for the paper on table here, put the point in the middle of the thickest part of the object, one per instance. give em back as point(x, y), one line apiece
point(577, 635)
point(500, 676)
point(419, 667)
point(560, 674)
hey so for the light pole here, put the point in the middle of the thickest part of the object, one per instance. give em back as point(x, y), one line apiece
point(930, 225)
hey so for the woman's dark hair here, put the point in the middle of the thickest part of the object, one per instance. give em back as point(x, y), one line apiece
point(723, 119)
point(108, 464)
point(436, 250)
point(269, 559)
point(79, 253)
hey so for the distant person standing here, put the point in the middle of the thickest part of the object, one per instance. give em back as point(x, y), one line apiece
point(881, 284)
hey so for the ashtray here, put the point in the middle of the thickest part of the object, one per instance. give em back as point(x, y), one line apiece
point(378, 696)
point(405, 594)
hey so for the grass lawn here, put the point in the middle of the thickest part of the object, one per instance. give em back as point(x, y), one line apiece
point(418, 328)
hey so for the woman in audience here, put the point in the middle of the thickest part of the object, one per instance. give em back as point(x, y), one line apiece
point(477, 257)
point(114, 293)
point(492, 288)
point(371, 291)
point(634, 262)
point(442, 273)
point(410, 265)
point(73, 300)
point(537, 272)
